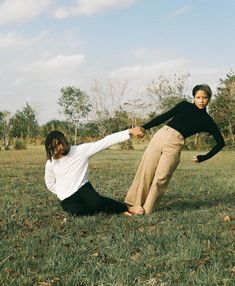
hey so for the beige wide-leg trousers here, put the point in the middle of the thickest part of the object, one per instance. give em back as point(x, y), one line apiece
point(157, 166)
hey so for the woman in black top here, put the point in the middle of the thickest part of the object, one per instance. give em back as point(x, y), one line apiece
point(162, 155)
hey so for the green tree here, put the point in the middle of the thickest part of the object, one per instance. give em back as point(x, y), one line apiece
point(75, 105)
point(62, 126)
point(24, 123)
point(89, 130)
point(222, 107)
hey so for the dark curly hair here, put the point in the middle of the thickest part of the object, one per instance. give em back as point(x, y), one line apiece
point(60, 137)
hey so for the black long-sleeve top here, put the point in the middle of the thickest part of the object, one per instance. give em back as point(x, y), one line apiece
point(188, 119)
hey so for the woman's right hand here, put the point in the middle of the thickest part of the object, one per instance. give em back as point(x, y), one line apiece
point(194, 159)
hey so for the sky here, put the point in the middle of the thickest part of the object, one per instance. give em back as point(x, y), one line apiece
point(49, 44)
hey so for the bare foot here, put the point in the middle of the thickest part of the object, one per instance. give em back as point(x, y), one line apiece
point(127, 213)
point(136, 210)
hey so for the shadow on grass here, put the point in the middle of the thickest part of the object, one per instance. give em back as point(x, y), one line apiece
point(186, 203)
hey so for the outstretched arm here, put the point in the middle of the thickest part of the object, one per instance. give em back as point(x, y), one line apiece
point(165, 116)
point(115, 138)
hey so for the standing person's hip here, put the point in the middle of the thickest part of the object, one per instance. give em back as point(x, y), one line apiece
point(168, 137)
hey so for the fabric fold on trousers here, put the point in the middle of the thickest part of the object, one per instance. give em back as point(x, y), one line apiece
point(156, 168)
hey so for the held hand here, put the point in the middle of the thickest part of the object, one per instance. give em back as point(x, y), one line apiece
point(138, 132)
point(194, 159)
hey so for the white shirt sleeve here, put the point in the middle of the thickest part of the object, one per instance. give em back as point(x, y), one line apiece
point(106, 142)
point(50, 177)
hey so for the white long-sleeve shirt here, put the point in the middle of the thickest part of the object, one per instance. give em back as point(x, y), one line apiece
point(66, 175)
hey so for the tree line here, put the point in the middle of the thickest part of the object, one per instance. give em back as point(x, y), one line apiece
point(106, 110)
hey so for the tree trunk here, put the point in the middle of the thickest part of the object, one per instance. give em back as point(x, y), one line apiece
point(5, 144)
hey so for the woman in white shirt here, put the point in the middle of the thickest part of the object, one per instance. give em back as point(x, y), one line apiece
point(66, 174)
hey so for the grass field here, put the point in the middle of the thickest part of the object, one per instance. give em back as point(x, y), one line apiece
point(185, 242)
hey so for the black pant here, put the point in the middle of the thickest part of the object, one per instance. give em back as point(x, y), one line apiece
point(86, 201)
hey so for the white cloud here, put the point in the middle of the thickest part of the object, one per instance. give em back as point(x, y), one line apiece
point(11, 39)
point(40, 82)
point(12, 11)
point(58, 63)
point(144, 53)
point(143, 73)
point(19, 81)
point(139, 76)
point(180, 11)
point(209, 76)
point(91, 7)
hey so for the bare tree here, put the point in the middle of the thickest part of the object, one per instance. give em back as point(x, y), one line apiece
point(136, 109)
point(165, 92)
point(106, 98)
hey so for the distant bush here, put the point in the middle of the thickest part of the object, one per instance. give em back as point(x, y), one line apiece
point(20, 145)
point(127, 145)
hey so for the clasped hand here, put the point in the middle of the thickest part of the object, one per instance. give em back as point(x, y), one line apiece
point(137, 132)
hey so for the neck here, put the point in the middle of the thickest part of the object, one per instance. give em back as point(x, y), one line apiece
point(58, 157)
point(203, 109)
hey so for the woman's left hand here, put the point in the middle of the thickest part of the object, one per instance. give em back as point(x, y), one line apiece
point(194, 159)
point(137, 132)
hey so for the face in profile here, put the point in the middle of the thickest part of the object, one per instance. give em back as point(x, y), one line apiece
point(201, 99)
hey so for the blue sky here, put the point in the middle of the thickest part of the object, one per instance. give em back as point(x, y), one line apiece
point(48, 44)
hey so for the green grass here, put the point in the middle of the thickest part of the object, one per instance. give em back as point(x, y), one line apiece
point(184, 242)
